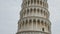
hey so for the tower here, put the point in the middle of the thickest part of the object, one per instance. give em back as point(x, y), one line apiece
point(34, 18)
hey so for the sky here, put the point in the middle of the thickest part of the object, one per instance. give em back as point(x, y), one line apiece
point(9, 16)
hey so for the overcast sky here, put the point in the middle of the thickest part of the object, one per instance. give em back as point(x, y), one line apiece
point(9, 15)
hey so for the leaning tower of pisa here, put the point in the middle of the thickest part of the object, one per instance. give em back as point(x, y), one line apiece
point(34, 18)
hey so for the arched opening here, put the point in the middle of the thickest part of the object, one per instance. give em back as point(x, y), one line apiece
point(42, 22)
point(38, 21)
point(34, 1)
point(42, 29)
point(37, 1)
point(27, 11)
point(30, 10)
point(30, 21)
point(34, 10)
point(38, 10)
point(28, 2)
point(41, 2)
point(31, 1)
point(41, 11)
point(34, 23)
point(34, 20)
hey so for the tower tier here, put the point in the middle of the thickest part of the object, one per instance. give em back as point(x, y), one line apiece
point(34, 24)
point(34, 11)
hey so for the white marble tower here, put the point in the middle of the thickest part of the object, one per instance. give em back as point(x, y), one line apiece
point(34, 18)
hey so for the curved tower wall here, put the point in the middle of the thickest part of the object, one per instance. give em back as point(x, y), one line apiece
point(34, 18)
